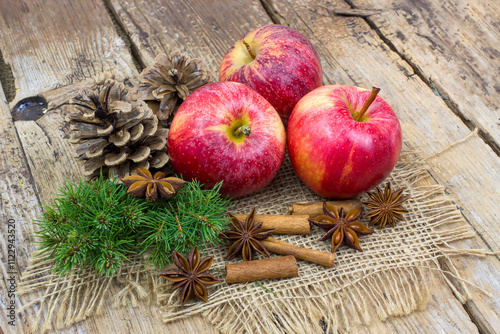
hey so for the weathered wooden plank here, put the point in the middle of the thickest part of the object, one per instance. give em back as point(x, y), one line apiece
point(203, 29)
point(18, 203)
point(50, 156)
point(44, 141)
point(53, 169)
point(354, 54)
point(471, 173)
point(442, 315)
point(154, 33)
point(464, 70)
point(454, 47)
point(214, 66)
point(50, 44)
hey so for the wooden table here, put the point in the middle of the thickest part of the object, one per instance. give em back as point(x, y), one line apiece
point(437, 62)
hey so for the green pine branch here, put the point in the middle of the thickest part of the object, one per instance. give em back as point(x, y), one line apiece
point(97, 225)
point(194, 217)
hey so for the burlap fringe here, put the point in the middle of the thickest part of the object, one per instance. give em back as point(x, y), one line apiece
point(321, 308)
point(71, 298)
point(392, 277)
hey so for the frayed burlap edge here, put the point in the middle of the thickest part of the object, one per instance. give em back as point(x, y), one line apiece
point(325, 307)
point(68, 299)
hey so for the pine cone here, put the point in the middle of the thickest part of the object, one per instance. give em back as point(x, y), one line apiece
point(115, 133)
point(170, 80)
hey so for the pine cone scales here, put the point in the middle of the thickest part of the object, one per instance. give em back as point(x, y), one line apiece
point(115, 133)
point(171, 79)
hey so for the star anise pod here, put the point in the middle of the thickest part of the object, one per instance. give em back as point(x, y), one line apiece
point(246, 237)
point(385, 206)
point(341, 227)
point(191, 275)
point(146, 185)
point(170, 79)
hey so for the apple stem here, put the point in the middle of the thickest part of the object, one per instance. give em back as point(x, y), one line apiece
point(245, 129)
point(249, 49)
point(367, 104)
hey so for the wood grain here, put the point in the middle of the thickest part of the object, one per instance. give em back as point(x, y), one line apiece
point(443, 314)
point(459, 61)
point(18, 201)
point(50, 157)
point(353, 54)
point(203, 29)
point(53, 43)
point(87, 44)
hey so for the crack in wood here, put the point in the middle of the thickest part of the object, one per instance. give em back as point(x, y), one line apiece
point(470, 307)
point(120, 29)
point(29, 174)
point(483, 327)
point(7, 79)
point(354, 12)
point(273, 14)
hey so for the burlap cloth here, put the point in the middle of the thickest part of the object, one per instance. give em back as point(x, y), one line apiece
point(393, 276)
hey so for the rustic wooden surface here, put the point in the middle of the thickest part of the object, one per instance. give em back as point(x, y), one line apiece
point(50, 44)
point(436, 61)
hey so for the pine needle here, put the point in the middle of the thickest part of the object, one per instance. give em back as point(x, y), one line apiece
point(263, 287)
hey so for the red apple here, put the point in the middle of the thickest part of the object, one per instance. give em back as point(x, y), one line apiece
point(226, 131)
point(278, 62)
point(343, 140)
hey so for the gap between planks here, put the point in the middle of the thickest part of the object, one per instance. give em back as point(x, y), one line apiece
point(120, 29)
point(272, 13)
point(138, 58)
point(7, 80)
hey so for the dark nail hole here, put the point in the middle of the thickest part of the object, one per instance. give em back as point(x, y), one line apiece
point(29, 109)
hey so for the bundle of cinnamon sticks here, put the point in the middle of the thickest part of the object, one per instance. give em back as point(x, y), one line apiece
point(285, 266)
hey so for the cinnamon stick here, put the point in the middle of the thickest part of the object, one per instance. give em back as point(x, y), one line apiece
point(280, 247)
point(284, 224)
point(249, 271)
point(316, 208)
